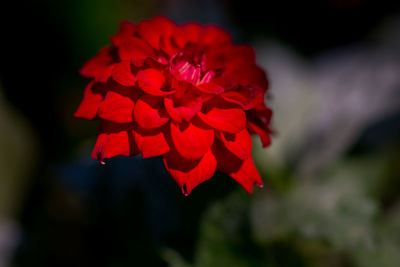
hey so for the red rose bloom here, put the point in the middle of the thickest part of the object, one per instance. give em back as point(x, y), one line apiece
point(183, 92)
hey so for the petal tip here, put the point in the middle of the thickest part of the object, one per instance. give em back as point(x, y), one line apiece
point(185, 190)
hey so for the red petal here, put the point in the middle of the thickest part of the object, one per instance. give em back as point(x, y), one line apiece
point(127, 29)
point(239, 144)
point(152, 142)
point(227, 81)
point(149, 112)
point(249, 75)
point(264, 135)
point(241, 55)
point(223, 116)
point(114, 140)
point(247, 175)
point(116, 108)
point(166, 45)
point(216, 36)
point(235, 97)
point(243, 171)
point(92, 97)
point(99, 66)
point(189, 173)
point(134, 48)
point(254, 96)
point(122, 73)
point(210, 88)
point(132, 92)
point(152, 30)
point(185, 112)
point(259, 120)
point(191, 141)
point(189, 33)
point(151, 82)
point(215, 58)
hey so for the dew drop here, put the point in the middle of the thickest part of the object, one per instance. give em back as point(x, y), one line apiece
point(184, 190)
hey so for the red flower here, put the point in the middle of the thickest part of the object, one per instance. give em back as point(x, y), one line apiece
point(184, 92)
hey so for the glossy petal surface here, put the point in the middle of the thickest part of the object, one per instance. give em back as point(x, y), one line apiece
point(239, 144)
point(92, 98)
point(191, 141)
point(114, 140)
point(116, 108)
point(190, 173)
point(242, 171)
point(122, 73)
point(150, 113)
point(151, 143)
point(151, 82)
point(224, 116)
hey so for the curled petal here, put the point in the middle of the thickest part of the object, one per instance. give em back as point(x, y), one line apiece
point(239, 144)
point(116, 108)
point(191, 141)
point(114, 140)
point(92, 97)
point(210, 88)
point(149, 112)
point(151, 142)
point(259, 120)
point(224, 116)
point(263, 134)
point(151, 82)
point(185, 112)
point(235, 97)
point(122, 73)
point(243, 171)
point(189, 173)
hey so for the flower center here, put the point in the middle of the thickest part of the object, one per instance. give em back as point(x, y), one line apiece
point(188, 65)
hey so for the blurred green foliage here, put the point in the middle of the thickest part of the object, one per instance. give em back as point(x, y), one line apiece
point(17, 158)
point(335, 220)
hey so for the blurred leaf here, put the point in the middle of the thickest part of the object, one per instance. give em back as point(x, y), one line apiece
point(174, 258)
point(224, 238)
point(386, 251)
point(17, 155)
point(336, 209)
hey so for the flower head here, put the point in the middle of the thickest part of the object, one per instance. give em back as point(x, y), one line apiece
point(181, 91)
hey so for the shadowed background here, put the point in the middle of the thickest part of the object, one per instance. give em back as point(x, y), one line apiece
point(332, 187)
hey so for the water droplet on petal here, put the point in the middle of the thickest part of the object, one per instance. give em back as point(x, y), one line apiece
point(184, 190)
